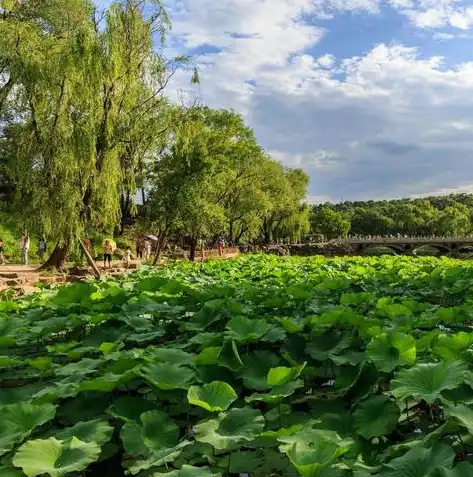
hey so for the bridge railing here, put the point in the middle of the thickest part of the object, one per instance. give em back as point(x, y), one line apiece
point(403, 240)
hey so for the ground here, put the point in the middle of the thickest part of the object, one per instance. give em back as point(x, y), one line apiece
point(24, 279)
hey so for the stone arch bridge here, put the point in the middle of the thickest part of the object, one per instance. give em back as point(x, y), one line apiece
point(410, 246)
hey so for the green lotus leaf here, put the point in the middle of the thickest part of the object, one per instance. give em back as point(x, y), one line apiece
point(151, 442)
point(427, 381)
point(130, 408)
point(167, 376)
point(169, 355)
point(11, 472)
point(55, 458)
point(328, 345)
point(248, 462)
point(42, 363)
point(462, 469)
point(133, 443)
point(229, 356)
point(122, 362)
point(274, 335)
point(208, 356)
point(17, 421)
point(207, 339)
point(291, 325)
point(376, 416)
point(109, 348)
point(157, 458)
point(61, 348)
point(282, 375)
point(276, 394)
point(256, 367)
point(461, 413)
point(388, 351)
point(140, 337)
point(215, 396)
point(349, 357)
point(97, 430)
point(230, 429)
point(107, 382)
point(312, 451)
point(419, 462)
point(189, 471)
point(8, 362)
point(84, 366)
point(156, 431)
point(452, 347)
point(86, 406)
point(243, 329)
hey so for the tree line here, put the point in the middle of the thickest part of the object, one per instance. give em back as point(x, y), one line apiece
point(449, 215)
point(85, 124)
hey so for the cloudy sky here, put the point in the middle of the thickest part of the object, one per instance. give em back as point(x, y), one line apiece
point(373, 98)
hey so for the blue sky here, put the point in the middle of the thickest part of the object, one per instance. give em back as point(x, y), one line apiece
point(373, 98)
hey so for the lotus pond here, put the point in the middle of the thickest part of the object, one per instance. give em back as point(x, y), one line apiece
point(261, 365)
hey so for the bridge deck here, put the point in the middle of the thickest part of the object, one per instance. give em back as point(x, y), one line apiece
point(403, 241)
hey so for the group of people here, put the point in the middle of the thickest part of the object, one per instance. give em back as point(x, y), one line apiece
point(143, 249)
point(24, 245)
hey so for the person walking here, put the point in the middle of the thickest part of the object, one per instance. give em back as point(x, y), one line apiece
point(2, 256)
point(147, 250)
point(24, 248)
point(107, 254)
point(41, 249)
point(200, 246)
point(127, 258)
point(139, 249)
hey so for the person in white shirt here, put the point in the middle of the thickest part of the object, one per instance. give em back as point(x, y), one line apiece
point(127, 258)
point(147, 251)
point(24, 248)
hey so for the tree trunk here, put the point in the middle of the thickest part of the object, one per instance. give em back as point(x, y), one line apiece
point(193, 249)
point(90, 260)
point(57, 258)
point(230, 230)
point(161, 239)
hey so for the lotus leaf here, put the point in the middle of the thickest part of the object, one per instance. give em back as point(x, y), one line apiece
point(55, 458)
point(215, 396)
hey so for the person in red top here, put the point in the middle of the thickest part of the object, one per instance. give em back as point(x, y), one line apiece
point(220, 246)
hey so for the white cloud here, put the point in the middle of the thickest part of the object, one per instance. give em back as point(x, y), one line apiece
point(436, 13)
point(386, 124)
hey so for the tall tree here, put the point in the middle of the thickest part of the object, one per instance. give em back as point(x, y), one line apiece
point(287, 189)
point(84, 88)
point(328, 222)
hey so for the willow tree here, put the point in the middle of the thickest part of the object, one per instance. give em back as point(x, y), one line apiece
point(84, 89)
point(287, 215)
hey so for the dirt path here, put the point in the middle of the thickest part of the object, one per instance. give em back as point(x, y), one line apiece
point(23, 279)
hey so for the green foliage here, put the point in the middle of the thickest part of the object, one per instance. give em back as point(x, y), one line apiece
point(55, 458)
point(345, 367)
point(214, 179)
point(446, 215)
point(216, 396)
point(81, 105)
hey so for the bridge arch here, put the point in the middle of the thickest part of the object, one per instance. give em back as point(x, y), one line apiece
point(441, 249)
point(464, 249)
point(393, 248)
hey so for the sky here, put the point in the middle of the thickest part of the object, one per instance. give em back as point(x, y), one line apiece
point(372, 98)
